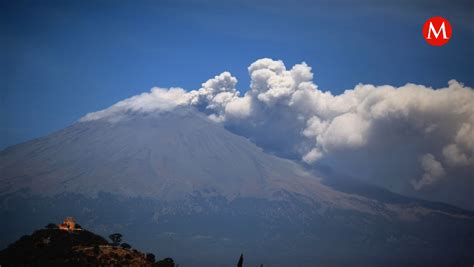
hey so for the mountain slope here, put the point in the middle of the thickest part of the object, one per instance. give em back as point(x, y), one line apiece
point(166, 157)
point(178, 181)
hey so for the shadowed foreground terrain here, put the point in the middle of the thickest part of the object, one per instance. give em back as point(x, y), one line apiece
point(56, 247)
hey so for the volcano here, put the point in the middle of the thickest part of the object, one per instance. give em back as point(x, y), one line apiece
point(182, 186)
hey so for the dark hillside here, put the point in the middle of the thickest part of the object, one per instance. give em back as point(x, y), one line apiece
point(56, 247)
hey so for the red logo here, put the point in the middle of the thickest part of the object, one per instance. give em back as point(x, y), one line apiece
point(437, 31)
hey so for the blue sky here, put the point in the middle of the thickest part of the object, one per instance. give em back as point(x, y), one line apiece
point(63, 59)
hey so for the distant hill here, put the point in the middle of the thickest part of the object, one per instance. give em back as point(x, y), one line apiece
point(57, 247)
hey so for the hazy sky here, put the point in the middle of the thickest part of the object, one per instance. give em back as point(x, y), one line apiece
point(63, 59)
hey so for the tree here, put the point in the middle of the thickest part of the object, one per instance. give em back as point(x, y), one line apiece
point(241, 260)
point(116, 239)
point(125, 245)
point(150, 257)
point(167, 262)
point(51, 226)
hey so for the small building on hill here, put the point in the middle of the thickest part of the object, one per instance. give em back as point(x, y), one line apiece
point(69, 224)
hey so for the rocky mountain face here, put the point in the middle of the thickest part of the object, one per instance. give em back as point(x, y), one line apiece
point(182, 186)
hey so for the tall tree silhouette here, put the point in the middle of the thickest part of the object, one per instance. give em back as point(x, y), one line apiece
point(116, 239)
point(241, 260)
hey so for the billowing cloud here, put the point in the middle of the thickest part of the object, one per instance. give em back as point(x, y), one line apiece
point(433, 171)
point(157, 100)
point(376, 130)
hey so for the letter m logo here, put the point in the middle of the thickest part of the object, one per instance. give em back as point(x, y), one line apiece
point(442, 29)
point(437, 31)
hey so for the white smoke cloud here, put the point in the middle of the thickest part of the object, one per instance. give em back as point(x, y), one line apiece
point(157, 100)
point(284, 111)
point(433, 171)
